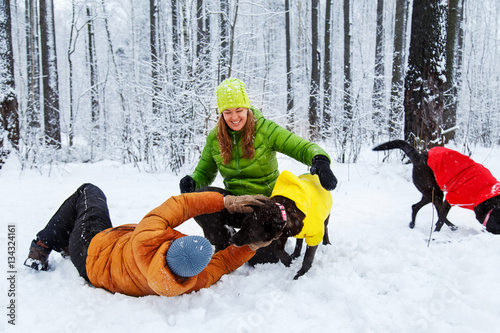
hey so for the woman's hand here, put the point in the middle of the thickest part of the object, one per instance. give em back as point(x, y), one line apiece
point(187, 184)
point(321, 167)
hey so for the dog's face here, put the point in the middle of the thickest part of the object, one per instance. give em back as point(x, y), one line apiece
point(263, 225)
point(493, 224)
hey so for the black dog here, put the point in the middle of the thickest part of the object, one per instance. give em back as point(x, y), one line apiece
point(467, 184)
point(281, 218)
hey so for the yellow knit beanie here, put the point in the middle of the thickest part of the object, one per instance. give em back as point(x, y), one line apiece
point(231, 93)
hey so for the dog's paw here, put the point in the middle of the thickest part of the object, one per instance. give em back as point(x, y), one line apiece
point(412, 224)
point(299, 274)
point(287, 261)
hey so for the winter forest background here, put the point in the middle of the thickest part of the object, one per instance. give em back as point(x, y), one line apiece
point(135, 80)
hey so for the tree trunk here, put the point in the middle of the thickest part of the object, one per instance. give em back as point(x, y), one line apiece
point(50, 75)
point(378, 81)
point(95, 138)
point(224, 27)
point(176, 44)
point(71, 50)
point(424, 87)
point(452, 52)
point(33, 108)
point(327, 73)
point(203, 39)
point(9, 118)
point(314, 121)
point(289, 77)
point(398, 63)
point(347, 126)
point(155, 64)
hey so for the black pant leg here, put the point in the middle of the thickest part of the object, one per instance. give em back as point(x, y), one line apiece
point(92, 218)
point(82, 216)
point(56, 233)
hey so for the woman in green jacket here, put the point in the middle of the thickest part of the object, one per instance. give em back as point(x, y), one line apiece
point(242, 147)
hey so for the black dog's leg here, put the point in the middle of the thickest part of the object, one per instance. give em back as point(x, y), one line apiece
point(280, 252)
point(298, 248)
point(416, 207)
point(443, 208)
point(308, 260)
point(326, 238)
point(218, 227)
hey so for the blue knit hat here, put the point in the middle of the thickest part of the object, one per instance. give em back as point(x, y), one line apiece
point(189, 255)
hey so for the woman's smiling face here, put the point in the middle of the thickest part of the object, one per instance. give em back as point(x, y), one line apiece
point(235, 118)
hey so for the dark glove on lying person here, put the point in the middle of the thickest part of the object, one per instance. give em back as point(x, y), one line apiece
point(321, 167)
point(187, 184)
point(243, 203)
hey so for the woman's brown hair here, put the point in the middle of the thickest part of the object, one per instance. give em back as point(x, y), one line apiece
point(247, 136)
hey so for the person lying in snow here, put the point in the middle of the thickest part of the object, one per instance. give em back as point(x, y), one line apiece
point(149, 258)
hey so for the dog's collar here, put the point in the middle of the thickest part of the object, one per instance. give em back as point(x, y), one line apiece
point(283, 211)
point(487, 218)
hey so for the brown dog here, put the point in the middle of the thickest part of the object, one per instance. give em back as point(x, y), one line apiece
point(300, 207)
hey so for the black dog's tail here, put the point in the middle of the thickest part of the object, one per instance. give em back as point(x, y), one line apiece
point(409, 150)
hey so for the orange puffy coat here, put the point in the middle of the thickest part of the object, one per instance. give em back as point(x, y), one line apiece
point(130, 259)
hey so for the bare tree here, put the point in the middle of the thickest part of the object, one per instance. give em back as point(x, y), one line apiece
point(424, 86)
point(202, 38)
point(71, 50)
point(155, 63)
point(378, 81)
point(95, 137)
point(327, 73)
point(314, 118)
point(453, 52)
point(347, 127)
point(398, 65)
point(224, 27)
point(9, 118)
point(289, 77)
point(33, 108)
point(50, 75)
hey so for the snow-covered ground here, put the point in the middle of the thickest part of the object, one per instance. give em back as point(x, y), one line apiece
point(377, 276)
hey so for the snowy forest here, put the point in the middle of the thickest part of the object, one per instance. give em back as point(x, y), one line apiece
point(134, 81)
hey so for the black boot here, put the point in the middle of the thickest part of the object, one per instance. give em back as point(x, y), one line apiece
point(38, 257)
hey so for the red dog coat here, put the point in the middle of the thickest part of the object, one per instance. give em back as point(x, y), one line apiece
point(465, 182)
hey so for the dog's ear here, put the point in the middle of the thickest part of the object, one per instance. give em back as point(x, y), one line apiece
point(493, 224)
point(275, 225)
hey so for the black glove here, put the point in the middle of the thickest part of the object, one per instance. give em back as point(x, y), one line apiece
point(321, 167)
point(187, 184)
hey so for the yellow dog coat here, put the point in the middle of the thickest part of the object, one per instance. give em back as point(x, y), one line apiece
point(311, 198)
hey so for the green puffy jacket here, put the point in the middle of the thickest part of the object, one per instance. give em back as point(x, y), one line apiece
point(257, 175)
